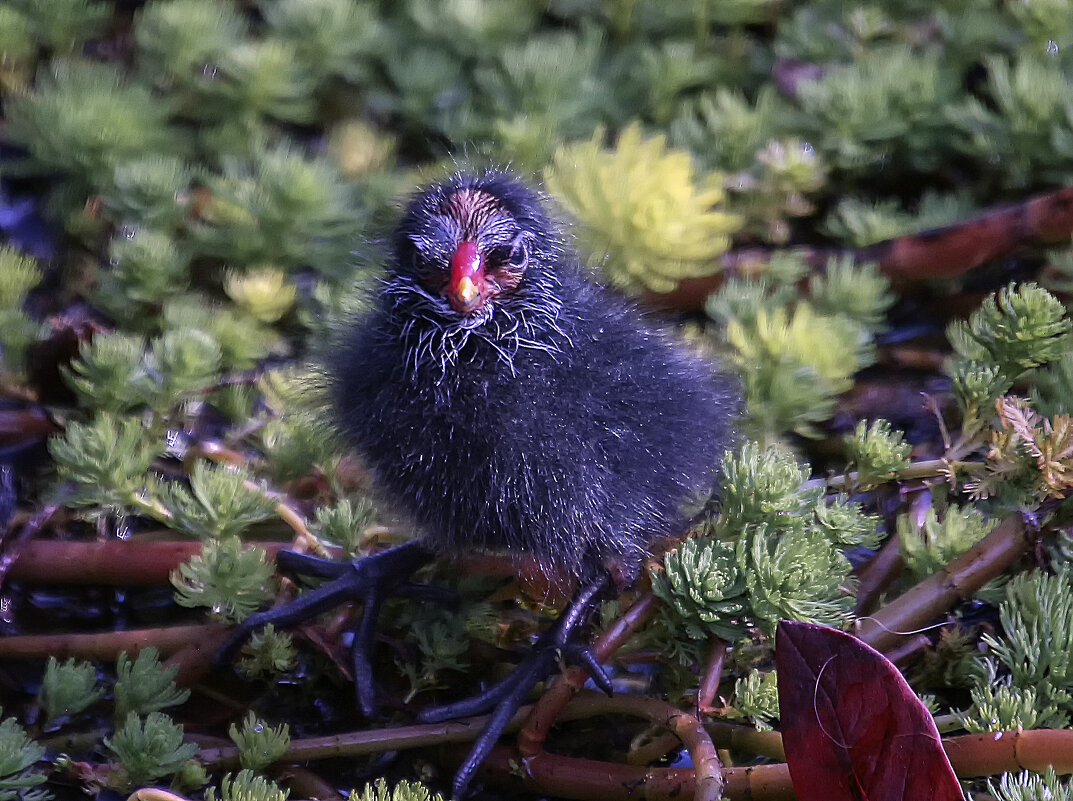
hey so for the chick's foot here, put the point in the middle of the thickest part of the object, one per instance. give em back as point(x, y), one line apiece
point(368, 581)
point(562, 643)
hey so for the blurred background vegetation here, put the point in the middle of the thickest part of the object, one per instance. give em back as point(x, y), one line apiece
point(194, 195)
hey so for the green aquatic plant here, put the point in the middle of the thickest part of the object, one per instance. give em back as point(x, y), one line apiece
point(643, 214)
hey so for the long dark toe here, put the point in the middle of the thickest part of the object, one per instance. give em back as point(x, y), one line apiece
point(367, 581)
point(583, 656)
point(562, 641)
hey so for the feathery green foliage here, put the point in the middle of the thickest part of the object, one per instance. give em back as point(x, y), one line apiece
point(264, 293)
point(149, 193)
point(230, 580)
point(756, 697)
point(278, 206)
point(859, 223)
point(1037, 618)
point(177, 39)
point(62, 26)
point(785, 176)
point(846, 523)
point(149, 749)
point(703, 583)
point(1019, 328)
point(403, 791)
point(268, 653)
point(259, 745)
point(793, 364)
point(17, 49)
point(935, 544)
point(298, 443)
point(1026, 786)
point(241, 339)
point(186, 362)
point(18, 275)
point(331, 38)
point(856, 291)
point(768, 487)
point(796, 356)
point(221, 503)
point(145, 685)
point(246, 786)
point(109, 373)
point(68, 688)
point(1027, 113)
point(1001, 707)
point(60, 123)
point(18, 755)
point(441, 639)
point(116, 373)
point(888, 106)
point(1052, 393)
point(107, 460)
point(147, 267)
point(877, 451)
point(773, 553)
point(725, 130)
point(344, 523)
point(546, 90)
point(762, 485)
point(795, 576)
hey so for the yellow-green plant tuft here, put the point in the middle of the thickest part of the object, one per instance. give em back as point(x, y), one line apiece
point(403, 791)
point(643, 213)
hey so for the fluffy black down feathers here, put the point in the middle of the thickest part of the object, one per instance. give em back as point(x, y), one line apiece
point(551, 421)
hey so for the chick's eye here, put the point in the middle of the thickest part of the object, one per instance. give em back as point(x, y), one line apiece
point(430, 274)
point(519, 253)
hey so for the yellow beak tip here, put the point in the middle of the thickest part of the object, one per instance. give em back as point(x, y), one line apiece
point(467, 290)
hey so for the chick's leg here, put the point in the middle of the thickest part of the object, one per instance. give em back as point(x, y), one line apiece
point(562, 641)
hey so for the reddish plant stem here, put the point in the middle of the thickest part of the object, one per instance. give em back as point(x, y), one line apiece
point(568, 777)
point(879, 574)
point(105, 645)
point(713, 674)
point(940, 592)
point(652, 749)
point(709, 779)
point(592, 780)
point(112, 563)
point(686, 727)
point(303, 782)
point(937, 253)
point(989, 753)
point(194, 660)
point(17, 545)
point(908, 648)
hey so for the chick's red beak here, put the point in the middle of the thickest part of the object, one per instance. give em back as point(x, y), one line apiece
point(464, 288)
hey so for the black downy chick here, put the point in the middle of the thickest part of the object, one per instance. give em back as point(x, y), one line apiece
point(503, 402)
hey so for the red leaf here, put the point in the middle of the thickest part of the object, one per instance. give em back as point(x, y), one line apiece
point(852, 728)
